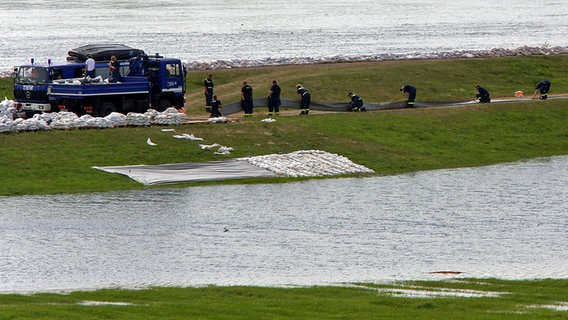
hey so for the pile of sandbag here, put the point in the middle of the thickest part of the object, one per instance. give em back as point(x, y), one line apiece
point(69, 120)
point(170, 116)
point(7, 111)
point(138, 119)
point(307, 163)
point(7, 107)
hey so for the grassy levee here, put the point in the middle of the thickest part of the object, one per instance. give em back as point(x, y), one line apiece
point(388, 142)
point(436, 80)
point(486, 299)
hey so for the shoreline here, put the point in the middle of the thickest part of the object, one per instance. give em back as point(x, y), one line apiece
point(444, 277)
point(476, 298)
point(200, 65)
point(457, 54)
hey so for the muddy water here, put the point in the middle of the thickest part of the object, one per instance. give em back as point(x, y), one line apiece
point(506, 221)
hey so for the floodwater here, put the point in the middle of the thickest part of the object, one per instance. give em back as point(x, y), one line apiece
point(263, 32)
point(507, 221)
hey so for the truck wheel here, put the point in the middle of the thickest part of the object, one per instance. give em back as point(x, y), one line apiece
point(107, 108)
point(163, 105)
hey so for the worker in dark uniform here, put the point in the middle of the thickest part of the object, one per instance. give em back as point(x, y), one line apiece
point(246, 99)
point(410, 93)
point(543, 87)
point(274, 99)
point(114, 70)
point(305, 99)
point(215, 108)
point(356, 103)
point(482, 94)
point(208, 85)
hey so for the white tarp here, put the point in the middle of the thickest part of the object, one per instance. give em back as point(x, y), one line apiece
point(189, 172)
point(305, 163)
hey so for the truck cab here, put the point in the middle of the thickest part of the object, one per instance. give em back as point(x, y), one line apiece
point(167, 81)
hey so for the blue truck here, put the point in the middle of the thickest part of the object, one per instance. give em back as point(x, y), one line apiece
point(147, 82)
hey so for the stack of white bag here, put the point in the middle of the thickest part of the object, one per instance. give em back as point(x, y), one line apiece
point(7, 107)
point(170, 116)
point(21, 125)
point(307, 163)
point(138, 119)
point(7, 111)
point(69, 120)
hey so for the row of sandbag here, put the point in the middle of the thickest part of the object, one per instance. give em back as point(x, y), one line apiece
point(69, 120)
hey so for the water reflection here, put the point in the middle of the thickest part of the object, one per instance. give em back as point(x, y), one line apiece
point(507, 221)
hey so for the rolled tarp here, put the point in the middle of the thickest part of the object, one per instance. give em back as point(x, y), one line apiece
point(235, 107)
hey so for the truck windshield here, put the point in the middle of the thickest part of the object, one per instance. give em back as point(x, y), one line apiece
point(32, 75)
point(172, 70)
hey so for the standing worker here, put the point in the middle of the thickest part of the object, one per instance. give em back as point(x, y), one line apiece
point(246, 99)
point(216, 108)
point(543, 87)
point(274, 99)
point(305, 99)
point(482, 95)
point(90, 66)
point(410, 93)
point(356, 103)
point(114, 70)
point(208, 85)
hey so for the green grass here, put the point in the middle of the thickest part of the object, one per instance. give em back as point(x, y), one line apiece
point(514, 300)
point(436, 80)
point(389, 142)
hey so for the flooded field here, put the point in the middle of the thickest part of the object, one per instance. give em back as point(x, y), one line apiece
point(506, 221)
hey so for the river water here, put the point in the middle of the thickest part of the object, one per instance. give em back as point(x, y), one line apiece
point(508, 221)
point(263, 31)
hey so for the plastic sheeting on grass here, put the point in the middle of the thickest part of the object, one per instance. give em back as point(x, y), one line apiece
point(235, 107)
point(303, 163)
point(189, 172)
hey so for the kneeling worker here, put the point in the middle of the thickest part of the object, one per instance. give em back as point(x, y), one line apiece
point(482, 95)
point(215, 107)
point(543, 87)
point(410, 93)
point(356, 103)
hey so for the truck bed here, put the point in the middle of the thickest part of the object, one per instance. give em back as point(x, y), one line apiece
point(75, 87)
